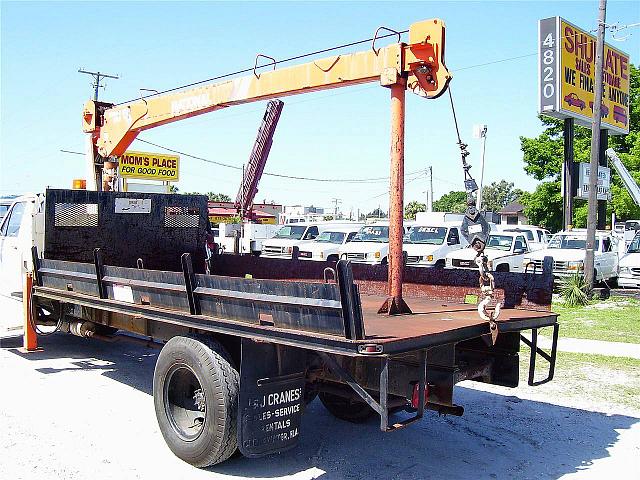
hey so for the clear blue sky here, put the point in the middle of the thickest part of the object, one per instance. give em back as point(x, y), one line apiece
point(339, 133)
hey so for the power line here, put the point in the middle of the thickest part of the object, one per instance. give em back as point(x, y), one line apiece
point(278, 175)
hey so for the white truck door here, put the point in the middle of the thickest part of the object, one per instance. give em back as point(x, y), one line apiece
point(14, 240)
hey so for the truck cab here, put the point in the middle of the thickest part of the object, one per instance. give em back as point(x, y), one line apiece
point(325, 246)
point(568, 251)
point(427, 245)
point(289, 236)
point(629, 266)
point(505, 251)
point(537, 237)
point(21, 228)
point(370, 245)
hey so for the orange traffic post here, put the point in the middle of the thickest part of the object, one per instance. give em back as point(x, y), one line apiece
point(394, 303)
point(30, 337)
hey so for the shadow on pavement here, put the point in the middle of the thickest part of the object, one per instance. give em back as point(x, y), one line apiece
point(499, 436)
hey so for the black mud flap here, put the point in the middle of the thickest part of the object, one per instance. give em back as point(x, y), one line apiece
point(271, 398)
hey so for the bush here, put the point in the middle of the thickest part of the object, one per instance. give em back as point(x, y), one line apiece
point(575, 291)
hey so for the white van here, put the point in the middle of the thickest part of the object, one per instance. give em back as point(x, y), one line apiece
point(325, 247)
point(370, 245)
point(427, 245)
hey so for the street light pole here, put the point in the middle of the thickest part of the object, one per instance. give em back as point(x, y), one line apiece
point(480, 131)
point(595, 149)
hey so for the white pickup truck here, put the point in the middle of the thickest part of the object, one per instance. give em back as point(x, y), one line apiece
point(427, 245)
point(568, 251)
point(629, 266)
point(244, 239)
point(505, 251)
point(370, 245)
point(325, 247)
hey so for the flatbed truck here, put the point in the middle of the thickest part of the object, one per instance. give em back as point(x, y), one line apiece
point(248, 341)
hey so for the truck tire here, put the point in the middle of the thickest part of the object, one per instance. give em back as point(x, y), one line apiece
point(346, 409)
point(195, 393)
point(503, 267)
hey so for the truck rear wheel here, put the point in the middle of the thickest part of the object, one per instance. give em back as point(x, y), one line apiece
point(346, 409)
point(195, 393)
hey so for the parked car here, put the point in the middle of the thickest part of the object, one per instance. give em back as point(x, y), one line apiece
point(537, 237)
point(326, 245)
point(568, 249)
point(629, 265)
point(604, 110)
point(505, 251)
point(620, 115)
point(573, 100)
point(370, 245)
point(428, 245)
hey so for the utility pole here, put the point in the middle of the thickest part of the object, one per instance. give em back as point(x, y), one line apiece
point(335, 202)
point(595, 148)
point(97, 76)
point(430, 199)
point(480, 131)
point(567, 174)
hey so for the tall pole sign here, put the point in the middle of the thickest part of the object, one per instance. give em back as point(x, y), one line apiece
point(566, 71)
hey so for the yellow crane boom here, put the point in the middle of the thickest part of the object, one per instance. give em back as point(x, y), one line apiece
point(420, 64)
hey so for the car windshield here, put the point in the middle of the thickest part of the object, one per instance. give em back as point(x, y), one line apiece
point(632, 225)
point(634, 246)
point(293, 232)
point(527, 233)
point(500, 242)
point(570, 242)
point(372, 233)
point(330, 237)
point(430, 235)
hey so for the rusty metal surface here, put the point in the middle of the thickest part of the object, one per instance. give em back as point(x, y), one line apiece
point(395, 304)
point(430, 318)
point(514, 290)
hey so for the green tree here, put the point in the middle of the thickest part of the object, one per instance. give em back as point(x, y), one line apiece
point(497, 195)
point(543, 157)
point(218, 197)
point(455, 202)
point(412, 208)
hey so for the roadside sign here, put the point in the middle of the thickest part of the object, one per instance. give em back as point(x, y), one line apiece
point(149, 166)
point(604, 181)
point(566, 71)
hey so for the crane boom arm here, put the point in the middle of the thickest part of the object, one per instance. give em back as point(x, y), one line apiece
point(627, 179)
point(257, 160)
point(420, 62)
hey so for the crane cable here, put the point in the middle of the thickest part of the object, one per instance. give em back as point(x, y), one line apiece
point(474, 224)
point(274, 63)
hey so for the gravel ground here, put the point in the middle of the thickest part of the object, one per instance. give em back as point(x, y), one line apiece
point(83, 409)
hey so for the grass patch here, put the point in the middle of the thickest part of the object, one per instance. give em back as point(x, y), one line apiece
point(614, 320)
point(603, 379)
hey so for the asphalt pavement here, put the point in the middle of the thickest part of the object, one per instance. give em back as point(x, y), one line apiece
point(83, 409)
